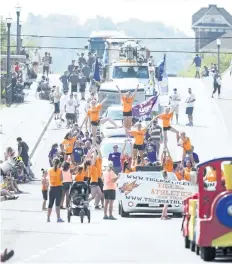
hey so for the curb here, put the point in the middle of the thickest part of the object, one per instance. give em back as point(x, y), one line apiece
point(2, 198)
point(42, 134)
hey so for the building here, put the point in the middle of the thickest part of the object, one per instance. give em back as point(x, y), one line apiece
point(209, 24)
point(226, 44)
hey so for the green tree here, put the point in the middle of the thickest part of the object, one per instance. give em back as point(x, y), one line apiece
point(225, 59)
point(3, 36)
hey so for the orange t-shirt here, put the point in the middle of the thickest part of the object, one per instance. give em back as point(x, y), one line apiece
point(139, 136)
point(80, 176)
point(68, 145)
point(45, 183)
point(93, 173)
point(168, 165)
point(187, 144)
point(127, 103)
point(98, 165)
point(54, 177)
point(187, 173)
point(166, 118)
point(94, 112)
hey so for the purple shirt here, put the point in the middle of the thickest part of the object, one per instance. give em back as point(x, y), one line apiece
point(115, 158)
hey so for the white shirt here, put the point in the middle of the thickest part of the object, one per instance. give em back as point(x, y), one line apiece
point(71, 106)
point(63, 100)
point(189, 100)
point(175, 99)
point(36, 57)
point(57, 97)
point(7, 165)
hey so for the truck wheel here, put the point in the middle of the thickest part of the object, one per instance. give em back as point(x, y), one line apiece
point(208, 253)
point(186, 242)
point(122, 212)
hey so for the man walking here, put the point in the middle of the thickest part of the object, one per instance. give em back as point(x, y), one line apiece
point(197, 61)
point(190, 101)
point(46, 64)
point(36, 60)
point(71, 67)
point(74, 78)
point(174, 102)
point(86, 71)
point(82, 84)
point(81, 60)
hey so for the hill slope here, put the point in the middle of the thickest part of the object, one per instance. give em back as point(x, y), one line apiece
point(61, 25)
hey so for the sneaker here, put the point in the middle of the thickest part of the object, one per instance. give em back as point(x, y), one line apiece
point(97, 207)
point(48, 220)
point(59, 220)
point(112, 218)
point(106, 217)
point(165, 218)
point(44, 209)
point(62, 208)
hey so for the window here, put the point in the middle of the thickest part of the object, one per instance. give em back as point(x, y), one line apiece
point(114, 114)
point(140, 72)
point(98, 46)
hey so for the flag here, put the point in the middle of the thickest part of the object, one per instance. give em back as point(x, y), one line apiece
point(144, 109)
point(105, 55)
point(163, 77)
point(96, 75)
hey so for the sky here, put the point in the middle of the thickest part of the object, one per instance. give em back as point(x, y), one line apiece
point(175, 13)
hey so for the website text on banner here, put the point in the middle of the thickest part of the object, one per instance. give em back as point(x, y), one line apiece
point(143, 110)
point(153, 189)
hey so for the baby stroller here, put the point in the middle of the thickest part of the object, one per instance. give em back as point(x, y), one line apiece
point(79, 205)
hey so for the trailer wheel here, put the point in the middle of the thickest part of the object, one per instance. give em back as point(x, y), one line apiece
point(208, 253)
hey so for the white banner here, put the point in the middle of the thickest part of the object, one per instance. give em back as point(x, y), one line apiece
point(150, 187)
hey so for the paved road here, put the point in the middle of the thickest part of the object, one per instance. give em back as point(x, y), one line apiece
point(224, 104)
point(138, 239)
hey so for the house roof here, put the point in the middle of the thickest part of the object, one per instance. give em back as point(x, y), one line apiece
point(213, 10)
point(226, 44)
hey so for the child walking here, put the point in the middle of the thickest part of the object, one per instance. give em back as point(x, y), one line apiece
point(45, 184)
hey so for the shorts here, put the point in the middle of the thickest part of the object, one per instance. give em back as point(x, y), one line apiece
point(45, 69)
point(198, 69)
point(95, 123)
point(70, 117)
point(57, 108)
point(66, 186)
point(55, 194)
point(175, 109)
point(138, 147)
point(127, 113)
point(109, 194)
point(73, 88)
point(82, 88)
point(167, 128)
point(189, 110)
point(117, 170)
point(189, 152)
point(45, 195)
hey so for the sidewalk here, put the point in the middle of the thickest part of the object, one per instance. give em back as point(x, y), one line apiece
point(225, 103)
point(28, 120)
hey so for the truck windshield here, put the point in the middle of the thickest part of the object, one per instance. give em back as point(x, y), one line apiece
point(97, 45)
point(139, 72)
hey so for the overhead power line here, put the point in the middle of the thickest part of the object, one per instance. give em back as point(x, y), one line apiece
point(153, 51)
point(82, 37)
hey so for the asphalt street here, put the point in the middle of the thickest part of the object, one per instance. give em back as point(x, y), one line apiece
point(137, 239)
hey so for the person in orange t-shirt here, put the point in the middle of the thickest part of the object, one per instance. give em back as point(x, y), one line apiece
point(80, 176)
point(187, 171)
point(127, 102)
point(67, 146)
point(185, 143)
point(139, 135)
point(167, 161)
point(166, 118)
point(98, 165)
point(93, 115)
